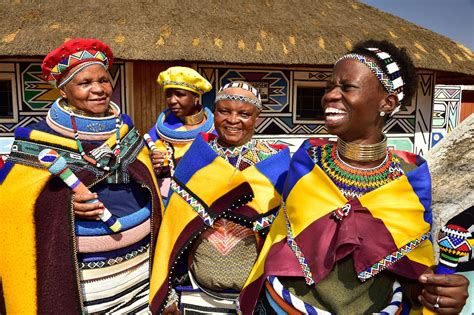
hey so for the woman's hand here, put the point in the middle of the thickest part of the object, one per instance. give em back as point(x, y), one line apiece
point(157, 159)
point(444, 294)
point(83, 209)
point(172, 309)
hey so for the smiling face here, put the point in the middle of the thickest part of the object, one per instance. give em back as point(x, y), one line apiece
point(353, 101)
point(235, 120)
point(90, 90)
point(182, 102)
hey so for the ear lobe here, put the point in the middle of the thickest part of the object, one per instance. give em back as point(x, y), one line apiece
point(389, 104)
point(63, 93)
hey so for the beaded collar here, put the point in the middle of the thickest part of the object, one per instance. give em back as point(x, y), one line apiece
point(352, 181)
point(88, 128)
point(72, 124)
point(167, 124)
point(245, 155)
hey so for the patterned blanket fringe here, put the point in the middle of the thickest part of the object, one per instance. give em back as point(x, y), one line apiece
point(392, 258)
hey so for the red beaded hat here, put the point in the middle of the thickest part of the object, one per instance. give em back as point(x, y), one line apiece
point(72, 53)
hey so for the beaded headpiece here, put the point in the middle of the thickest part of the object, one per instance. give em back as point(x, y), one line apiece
point(390, 77)
point(184, 78)
point(222, 95)
point(72, 53)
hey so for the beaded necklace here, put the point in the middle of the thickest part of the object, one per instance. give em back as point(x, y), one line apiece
point(245, 155)
point(352, 181)
point(103, 151)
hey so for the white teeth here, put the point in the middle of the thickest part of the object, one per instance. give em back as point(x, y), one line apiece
point(332, 110)
point(334, 117)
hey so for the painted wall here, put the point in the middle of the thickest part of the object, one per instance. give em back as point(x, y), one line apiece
point(408, 130)
point(136, 90)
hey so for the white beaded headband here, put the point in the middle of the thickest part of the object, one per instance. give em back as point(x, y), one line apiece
point(221, 95)
point(393, 82)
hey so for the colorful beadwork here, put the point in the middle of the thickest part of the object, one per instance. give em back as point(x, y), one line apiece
point(245, 155)
point(76, 58)
point(113, 261)
point(169, 157)
point(57, 165)
point(354, 182)
point(264, 222)
point(195, 204)
point(453, 244)
point(308, 275)
point(102, 151)
point(392, 258)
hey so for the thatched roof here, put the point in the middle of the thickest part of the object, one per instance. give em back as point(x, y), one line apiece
point(304, 32)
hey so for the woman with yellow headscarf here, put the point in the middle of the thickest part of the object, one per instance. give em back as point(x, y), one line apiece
point(181, 122)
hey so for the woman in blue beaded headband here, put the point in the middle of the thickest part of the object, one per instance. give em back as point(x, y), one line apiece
point(353, 233)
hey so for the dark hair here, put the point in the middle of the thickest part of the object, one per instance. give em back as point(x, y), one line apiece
point(407, 69)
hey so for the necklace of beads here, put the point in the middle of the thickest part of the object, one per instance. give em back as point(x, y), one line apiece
point(245, 155)
point(104, 150)
point(353, 181)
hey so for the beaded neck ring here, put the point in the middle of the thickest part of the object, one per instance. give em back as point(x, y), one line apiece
point(102, 151)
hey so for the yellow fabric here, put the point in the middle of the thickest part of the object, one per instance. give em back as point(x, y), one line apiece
point(144, 157)
point(17, 237)
point(396, 204)
point(266, 196)
point(17, 230)
point(179, 214)
point(179, 147)
point(184, 78)
point(302, 209)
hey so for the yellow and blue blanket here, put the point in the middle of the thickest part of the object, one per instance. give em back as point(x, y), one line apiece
point(38, 260)
point(387, 228)
point(205, 188)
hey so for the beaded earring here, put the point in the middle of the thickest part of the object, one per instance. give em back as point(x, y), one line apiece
point(382, 114)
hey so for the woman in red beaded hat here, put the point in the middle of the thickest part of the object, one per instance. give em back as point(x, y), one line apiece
point(69, 261)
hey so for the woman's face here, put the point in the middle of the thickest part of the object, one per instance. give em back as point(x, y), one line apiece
point(235, 121)
point(90, 90)
point(352, 103)
point(182, 102)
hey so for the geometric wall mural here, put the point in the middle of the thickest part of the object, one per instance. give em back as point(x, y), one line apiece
point(32, 96)
point(446, 109)
point(409, 129)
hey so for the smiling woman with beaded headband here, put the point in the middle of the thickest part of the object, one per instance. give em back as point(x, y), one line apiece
point(225, 192)
point(353, 233)
point(68, 261)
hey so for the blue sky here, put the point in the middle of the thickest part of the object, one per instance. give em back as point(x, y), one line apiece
point(451, 18)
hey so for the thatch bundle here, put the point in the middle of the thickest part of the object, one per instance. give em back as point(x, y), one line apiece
point(298, 32)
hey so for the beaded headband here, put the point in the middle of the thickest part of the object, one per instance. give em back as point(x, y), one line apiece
point(79, 69)
point(184, 84)
point(390, 79)
point(221, 95)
